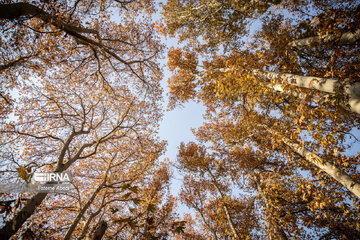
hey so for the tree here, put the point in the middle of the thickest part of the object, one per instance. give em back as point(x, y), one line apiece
point(288, 202)
point(242, 90)
point(100, 231)
point(287, 103)
point(83, 83)
point(193, 194)
point(207, 190)
point(228, 79)
point(41, 38)
point(267, 52)
point(56, 129)
point(280, 174)
point(218, 22)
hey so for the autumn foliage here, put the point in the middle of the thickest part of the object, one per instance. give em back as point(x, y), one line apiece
point(282, 121)
point(276, 157)
point(80, 94)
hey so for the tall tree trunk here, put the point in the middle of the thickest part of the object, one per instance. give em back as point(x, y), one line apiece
point(100, 231)
point(322, 84)
point(319, 99)
point(280, 231)
point(12, 226)
point(321, 163)
point(226, 209)
point(81, 213)
point(345, 38)
point(87, 224)
point(325, 85)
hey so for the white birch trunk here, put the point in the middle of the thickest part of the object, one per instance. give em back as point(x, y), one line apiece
point(354, 104)
point(326, 85)
point(321, 163)
point(345, 38)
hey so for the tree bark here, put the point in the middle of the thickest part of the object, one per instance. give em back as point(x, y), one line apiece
point(86, 227)
point(321, 163)
point(322, 84)
point(345, 38)
point(12, 226)
point(354, 104)
point(100, 231)
point(81, 213)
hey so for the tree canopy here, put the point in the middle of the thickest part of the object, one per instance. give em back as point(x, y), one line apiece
point(282, 119)
point(276, 157)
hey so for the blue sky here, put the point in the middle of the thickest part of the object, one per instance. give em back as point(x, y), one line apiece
point(176, 124)
point(176, 128)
